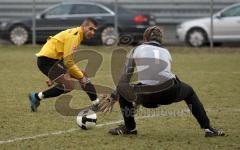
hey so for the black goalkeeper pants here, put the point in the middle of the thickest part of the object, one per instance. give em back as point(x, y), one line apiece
point(178, 92)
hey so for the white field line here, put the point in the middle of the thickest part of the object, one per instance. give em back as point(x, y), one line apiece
point(99, 125)
point(59, 132)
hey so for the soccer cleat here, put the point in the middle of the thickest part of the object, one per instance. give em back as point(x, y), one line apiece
point(95, 106)
point(210, 132)
point(34, 102)
point(122, 130)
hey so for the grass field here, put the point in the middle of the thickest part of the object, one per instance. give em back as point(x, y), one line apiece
point(214, 74)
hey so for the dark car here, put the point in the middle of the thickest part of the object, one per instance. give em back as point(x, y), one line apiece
point(131, 24)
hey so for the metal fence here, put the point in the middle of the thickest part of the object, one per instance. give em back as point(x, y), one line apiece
point(165, 11)
point(168, 13)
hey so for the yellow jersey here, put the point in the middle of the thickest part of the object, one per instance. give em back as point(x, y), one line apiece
point(62, 46)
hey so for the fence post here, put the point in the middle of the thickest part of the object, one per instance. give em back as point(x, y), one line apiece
point(34, 22)
point(211, 24)
point(116, 20)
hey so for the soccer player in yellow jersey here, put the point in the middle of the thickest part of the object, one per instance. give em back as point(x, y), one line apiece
point(56, 59)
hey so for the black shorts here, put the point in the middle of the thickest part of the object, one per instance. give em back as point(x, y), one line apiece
point(52, 68)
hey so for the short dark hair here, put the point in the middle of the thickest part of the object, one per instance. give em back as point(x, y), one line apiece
point(93, 21)
point(153, 33)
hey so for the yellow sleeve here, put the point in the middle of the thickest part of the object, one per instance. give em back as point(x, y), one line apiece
point(69, 45)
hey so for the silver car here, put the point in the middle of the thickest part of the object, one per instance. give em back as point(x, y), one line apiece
point(226, 28)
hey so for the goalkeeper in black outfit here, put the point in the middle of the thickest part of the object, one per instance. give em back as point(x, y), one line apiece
point(156, 86)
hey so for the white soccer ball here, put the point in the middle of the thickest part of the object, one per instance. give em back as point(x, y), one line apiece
point(86, 119)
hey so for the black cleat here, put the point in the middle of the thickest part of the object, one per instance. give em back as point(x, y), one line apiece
point(210, 132)
point(122, 130)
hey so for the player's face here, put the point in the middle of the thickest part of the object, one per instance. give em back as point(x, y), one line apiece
point(89, 30)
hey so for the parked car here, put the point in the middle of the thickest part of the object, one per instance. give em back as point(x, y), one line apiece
point(226, 28)
point(131, 24)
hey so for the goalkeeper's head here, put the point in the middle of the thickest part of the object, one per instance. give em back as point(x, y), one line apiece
point(153, 33)
point(89, 28)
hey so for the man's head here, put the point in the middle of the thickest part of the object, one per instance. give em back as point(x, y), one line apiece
point(153, 33)
point(89, 28)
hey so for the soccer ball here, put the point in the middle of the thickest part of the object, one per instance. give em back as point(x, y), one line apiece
point(86, 119)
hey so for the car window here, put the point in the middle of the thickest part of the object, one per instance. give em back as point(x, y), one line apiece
point(59, 10)
point(234, 11)
point(87, 9)
point(121, 9)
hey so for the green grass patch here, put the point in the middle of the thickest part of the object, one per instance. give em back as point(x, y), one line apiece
point(214, 74)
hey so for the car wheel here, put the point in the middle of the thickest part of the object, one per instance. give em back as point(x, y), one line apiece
point(108, 36)
point(196, 38)
point(18, 35)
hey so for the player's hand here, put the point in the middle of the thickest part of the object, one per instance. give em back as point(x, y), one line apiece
point(49, 83)
point(106, 103)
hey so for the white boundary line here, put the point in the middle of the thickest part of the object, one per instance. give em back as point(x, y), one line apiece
point(65, 131)
point(75, 129)
point(38, 136)
point(58, 132)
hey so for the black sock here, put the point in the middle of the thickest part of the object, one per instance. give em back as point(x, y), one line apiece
point(91, 91)
point(54, 91)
